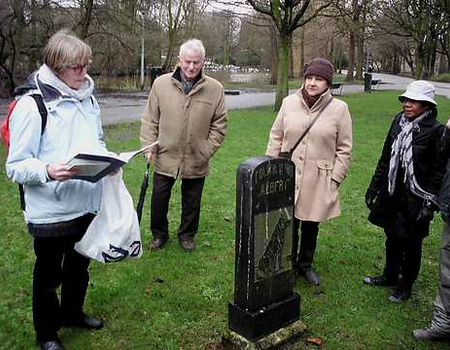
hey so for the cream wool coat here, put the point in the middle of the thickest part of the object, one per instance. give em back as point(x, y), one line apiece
point(321, 159)
point(190, 127)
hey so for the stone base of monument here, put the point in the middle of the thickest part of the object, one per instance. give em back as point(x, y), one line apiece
point(255, 324)
point(272, 341)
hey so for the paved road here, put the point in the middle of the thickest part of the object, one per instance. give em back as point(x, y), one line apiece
point(123, 108)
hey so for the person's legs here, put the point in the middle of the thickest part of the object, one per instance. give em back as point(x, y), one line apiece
point(394, 257)
point(444, 278)
point(410, 267)
point(295, 239)
point(308, 243)
point(47, 277)
point(191, 192)
point(159, 225)
point(74, 282)
point(439, 329)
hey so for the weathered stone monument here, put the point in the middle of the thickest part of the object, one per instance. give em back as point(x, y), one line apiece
point(264, 301)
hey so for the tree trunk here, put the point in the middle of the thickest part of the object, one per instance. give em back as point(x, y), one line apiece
point(351, 56)
point(283, 69)
point(291, 61)
point(86, 19)
point(420, 64)
point(171, 38)
point(302, 51)
point(274, 51)
point(359, 56)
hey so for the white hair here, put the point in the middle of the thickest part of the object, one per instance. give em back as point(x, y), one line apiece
point(192, 45)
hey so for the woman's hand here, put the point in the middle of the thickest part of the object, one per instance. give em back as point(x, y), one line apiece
point(370, 197)
point(60, 172)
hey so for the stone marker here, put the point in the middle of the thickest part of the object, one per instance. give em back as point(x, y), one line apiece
point(264, 300)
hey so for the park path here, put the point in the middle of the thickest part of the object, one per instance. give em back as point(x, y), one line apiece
point(124, 108)
point(120, 108)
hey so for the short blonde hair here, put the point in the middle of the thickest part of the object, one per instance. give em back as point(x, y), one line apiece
point(64, 49)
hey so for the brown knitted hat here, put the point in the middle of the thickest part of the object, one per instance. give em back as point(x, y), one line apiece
point(320, 67)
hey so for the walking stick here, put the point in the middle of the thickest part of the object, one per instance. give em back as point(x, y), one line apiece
point(142, 194)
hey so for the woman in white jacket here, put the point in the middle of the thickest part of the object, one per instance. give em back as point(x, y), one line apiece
point(58, 209)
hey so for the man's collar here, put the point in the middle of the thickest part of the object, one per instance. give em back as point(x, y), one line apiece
point(177, 74)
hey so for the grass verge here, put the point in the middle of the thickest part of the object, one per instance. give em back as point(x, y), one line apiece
point(175, 300)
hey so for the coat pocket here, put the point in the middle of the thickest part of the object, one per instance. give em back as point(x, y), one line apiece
point(323, 164)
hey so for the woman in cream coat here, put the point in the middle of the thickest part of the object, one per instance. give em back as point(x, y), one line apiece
point(321, 159)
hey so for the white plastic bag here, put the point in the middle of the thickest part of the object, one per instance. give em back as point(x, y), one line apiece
point(114, 233)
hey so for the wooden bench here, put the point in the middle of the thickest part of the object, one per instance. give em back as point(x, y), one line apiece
point(375, 83)
point(336, 87)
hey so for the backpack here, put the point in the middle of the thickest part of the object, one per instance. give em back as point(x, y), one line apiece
point(5, 134)
point(4, 126)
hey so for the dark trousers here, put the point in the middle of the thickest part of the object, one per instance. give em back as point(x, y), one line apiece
point(191, 195)
point(58, 264)
point(403, 256)
point(303, 259)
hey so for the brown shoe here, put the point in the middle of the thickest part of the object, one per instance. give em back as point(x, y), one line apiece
point(157, 243)
point(187, 243)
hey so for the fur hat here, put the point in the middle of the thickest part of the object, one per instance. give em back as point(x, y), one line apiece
point(320, 67)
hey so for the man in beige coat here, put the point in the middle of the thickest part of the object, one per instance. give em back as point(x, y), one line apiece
point(186, 113)
point(321, 159)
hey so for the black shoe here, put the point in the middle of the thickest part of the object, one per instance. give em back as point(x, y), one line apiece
point(310, 276)
point(157, 243)
point(379, 281)
point(87, 322)
point(51, 345)
point(400, 294)
point(186, 242)
point(431, 333)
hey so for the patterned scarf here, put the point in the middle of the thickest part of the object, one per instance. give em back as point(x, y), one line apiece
point(402, 152)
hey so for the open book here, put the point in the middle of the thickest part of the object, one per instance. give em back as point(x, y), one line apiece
point(92, 167)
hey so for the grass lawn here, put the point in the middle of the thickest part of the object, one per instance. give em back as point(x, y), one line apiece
point(176, 300)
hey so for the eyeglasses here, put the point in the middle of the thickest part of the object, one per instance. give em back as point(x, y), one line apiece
point(78, 68)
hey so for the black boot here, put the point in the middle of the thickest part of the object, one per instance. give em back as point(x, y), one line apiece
point(400, 294)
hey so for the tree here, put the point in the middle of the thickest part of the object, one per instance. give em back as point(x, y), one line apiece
point(288, 15)
point(424, 22)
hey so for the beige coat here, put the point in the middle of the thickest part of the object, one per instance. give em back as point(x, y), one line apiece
point(322, 156)
point(190, 127)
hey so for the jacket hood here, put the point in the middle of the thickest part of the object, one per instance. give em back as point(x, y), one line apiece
point(49, 93)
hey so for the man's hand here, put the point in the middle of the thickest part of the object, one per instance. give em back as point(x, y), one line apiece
point(60, 172)
point(150, 156)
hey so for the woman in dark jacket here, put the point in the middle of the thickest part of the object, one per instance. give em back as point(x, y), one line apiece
point(402, 194)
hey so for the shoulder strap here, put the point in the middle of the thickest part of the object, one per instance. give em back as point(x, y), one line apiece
point(310, 126)
point(43, 112)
